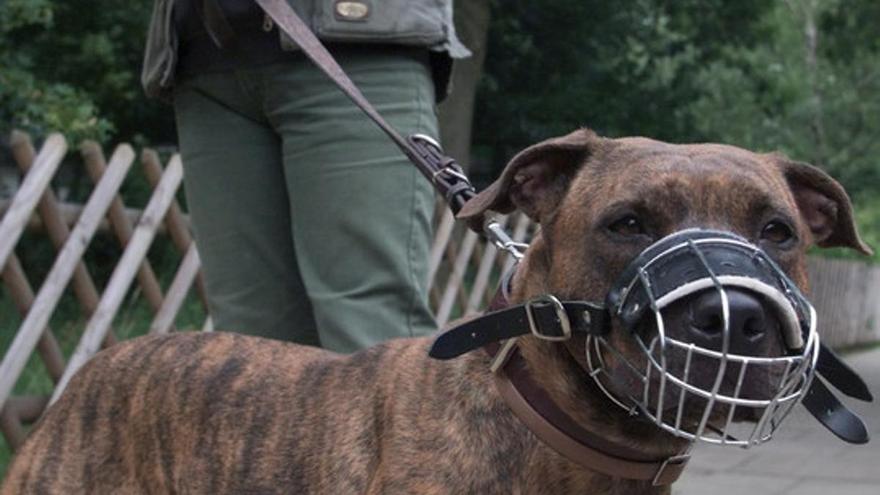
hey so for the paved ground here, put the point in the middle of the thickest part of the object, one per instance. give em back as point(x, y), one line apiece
point(803, 458)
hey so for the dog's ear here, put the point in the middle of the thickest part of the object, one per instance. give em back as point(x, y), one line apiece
point(536, 178)
point(823, 204)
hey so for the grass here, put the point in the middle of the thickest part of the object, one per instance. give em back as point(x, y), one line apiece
point(68, 321)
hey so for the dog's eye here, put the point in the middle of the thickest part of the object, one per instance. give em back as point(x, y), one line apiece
point(777, 232)
point(628, 225)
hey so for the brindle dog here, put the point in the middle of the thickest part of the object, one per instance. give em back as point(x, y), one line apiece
point(224, 413)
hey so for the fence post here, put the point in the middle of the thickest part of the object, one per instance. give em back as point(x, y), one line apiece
point(481, 281)
point(22, 295)
point(455, 281)
point(183, 280)
point(174, 219)
point(30, 191)
point(93, 157)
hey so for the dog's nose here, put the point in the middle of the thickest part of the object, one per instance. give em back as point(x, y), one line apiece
point(748, 320)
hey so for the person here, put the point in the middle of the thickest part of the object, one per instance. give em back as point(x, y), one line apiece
point(311, 225)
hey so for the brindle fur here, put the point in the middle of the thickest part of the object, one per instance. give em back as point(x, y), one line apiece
point(224, 413)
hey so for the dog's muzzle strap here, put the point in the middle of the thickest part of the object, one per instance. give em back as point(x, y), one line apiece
point(546, 318)
point(839, 374)
point(826, 408)
point(829, 411)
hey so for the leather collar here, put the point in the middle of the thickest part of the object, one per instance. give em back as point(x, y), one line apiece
point(531, 404)
point(547, 421)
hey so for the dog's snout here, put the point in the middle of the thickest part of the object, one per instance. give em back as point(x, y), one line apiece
point(748, 320)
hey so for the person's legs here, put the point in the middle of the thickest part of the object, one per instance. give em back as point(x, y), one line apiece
point(361, 212)
point(237, 197)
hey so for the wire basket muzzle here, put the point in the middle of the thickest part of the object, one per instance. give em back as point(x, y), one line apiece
point(696, 392)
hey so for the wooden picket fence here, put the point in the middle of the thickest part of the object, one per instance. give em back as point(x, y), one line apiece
point(464, 270)
point(847, 299)
point(34, 200)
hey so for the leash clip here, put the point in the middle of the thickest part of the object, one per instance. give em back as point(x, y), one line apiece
point(561, 317)
point(495, 233)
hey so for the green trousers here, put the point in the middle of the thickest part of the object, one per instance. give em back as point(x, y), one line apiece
point(312, 227)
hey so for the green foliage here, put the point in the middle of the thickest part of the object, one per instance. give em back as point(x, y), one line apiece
point(73, 66)
point(851, 28)
point(770, 97)
point(39, 107)
point(619, 67)
point(23, 13)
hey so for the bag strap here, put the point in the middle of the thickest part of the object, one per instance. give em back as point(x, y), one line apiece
point(425, 153)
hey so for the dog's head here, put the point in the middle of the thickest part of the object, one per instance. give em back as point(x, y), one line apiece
point(602, 203)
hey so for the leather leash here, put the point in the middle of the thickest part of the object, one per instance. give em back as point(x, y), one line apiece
point(425, 153)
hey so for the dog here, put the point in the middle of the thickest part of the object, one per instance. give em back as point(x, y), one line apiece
point(226, 413)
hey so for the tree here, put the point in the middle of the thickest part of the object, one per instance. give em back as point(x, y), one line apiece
point(805, 92)
point(74, 66)
point(618, 67)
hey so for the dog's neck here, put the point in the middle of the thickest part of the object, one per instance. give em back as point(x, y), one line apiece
point(559, 369)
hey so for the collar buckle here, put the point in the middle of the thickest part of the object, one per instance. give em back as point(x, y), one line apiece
point(542, 302)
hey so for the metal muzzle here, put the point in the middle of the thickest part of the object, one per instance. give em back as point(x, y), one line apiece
point(672, 388)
